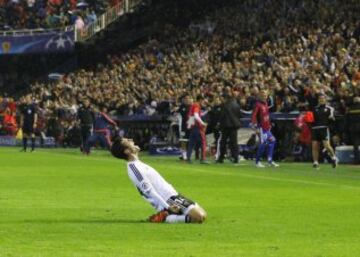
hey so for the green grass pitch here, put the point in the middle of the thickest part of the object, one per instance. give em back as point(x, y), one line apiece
point(60, 203)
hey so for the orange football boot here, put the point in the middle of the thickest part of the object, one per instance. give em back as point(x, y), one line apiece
point(159, 217)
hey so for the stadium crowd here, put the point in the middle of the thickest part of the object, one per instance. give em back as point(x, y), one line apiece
point(294, 49)
point(44, 14)
point(309, 50)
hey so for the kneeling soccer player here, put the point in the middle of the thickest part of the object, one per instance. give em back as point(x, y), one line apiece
point(172, 207)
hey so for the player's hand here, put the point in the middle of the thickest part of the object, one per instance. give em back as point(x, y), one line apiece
point(174, 209)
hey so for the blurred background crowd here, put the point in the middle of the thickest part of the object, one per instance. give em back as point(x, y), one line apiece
point(294, 49)
point(45, 14)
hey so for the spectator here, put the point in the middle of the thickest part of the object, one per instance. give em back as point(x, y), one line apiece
point(294, 51)
point(31, 14)
point(79, 23)
point(9, 123)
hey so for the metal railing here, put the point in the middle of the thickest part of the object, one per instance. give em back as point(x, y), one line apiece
point(25, 32)
point(101, 22)
point(90, 30)
point(105, 19)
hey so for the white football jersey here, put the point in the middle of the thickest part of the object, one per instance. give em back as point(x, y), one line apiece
point(151, 185)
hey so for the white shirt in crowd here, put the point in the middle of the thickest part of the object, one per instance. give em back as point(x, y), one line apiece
point(151, 185)
point(79, 23)
point(30, 3)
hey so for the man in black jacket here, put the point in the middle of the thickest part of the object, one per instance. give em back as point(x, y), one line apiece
point(86, 117)
point(28, 122)
point(323, 115)
point(214, 124)
point(353, 125)
point(229, 125)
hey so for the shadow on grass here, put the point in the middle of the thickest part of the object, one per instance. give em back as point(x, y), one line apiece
point(75, 221)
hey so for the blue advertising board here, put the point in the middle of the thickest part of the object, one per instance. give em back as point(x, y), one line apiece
point(12, 141)
point(49, 42)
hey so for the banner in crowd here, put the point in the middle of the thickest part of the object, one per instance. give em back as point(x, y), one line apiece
point(163, 149)
point(50, 42)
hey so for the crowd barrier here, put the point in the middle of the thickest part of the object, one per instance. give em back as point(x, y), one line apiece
point(59, 39)
point(101, 22)
point(143, 128)
point(13, 141)
point(159, 131)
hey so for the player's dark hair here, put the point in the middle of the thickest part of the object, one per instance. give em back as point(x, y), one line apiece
point(118, 149)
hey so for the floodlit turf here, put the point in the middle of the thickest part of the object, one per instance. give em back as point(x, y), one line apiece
point(60, 203)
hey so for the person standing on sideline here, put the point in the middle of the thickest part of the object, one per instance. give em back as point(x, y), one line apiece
point(197, 129)
point(353, 126)
point(183, 110)
point(86, 117)
point(323, 115)
point(260, 120)
point(214, 124)
point(28, 122)
point(229, 125)
point(101, 131)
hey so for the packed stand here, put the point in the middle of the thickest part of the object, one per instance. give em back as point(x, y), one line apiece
point(303, 53)
point(294, 49)
point(45, 14)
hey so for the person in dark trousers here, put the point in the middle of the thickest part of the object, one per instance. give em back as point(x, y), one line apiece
point(28, 123)
point(323, 115)
point(353, 125)
point(86, 117)
point(229, 125)
point(214, 125)
point(184, 109)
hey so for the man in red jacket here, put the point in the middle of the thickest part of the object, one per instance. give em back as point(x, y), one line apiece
point(197, 129)
point(9, 122)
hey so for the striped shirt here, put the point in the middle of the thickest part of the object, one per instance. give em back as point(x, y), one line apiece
point(151, 185)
